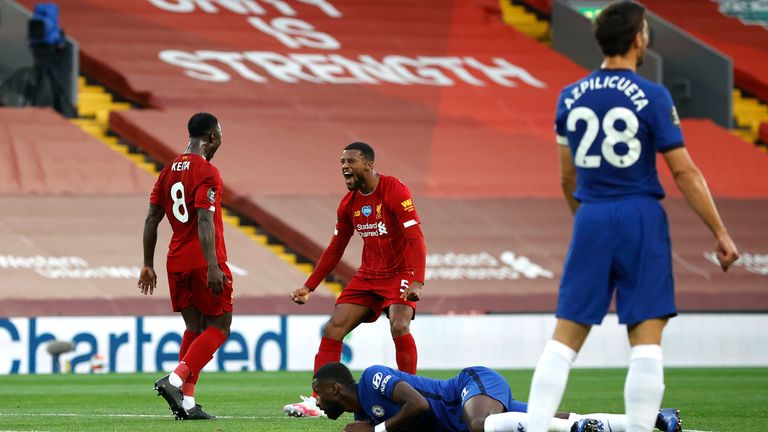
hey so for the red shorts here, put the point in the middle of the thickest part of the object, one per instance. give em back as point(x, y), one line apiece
point(377, 294)
point(190, 288)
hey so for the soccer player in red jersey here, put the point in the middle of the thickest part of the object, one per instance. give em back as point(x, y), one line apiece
point(391, 274)
point(188, 191)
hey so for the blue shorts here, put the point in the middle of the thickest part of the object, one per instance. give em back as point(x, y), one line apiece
point(622, 245)
point(478, 380)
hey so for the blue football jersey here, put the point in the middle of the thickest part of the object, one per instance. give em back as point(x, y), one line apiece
point(444, 396)
point(614, 122)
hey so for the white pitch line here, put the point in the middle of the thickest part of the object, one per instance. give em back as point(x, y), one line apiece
point(168, 416)
point(130, 416)
point(23, 430)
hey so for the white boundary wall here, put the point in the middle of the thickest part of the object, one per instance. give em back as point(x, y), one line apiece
point(272, 342)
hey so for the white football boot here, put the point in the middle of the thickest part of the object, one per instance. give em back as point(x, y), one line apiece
point(306, 408)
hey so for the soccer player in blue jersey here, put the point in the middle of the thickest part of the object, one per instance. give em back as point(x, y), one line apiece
point(610, 125)
point(478, 399)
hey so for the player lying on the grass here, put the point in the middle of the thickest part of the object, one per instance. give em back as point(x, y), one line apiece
point(478, 399)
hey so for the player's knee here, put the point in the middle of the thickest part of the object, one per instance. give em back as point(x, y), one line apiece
point(400, 327)
point(334, 330)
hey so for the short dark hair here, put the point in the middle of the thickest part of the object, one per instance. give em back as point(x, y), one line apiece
point(201, 124)
point(365, 149)
point(335, 372)
point(616, 26)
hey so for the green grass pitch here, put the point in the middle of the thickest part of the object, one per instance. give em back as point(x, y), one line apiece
point(712, 399)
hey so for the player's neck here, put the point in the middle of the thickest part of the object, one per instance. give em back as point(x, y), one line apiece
point(370, 184)
point(351, 401)
point(195, 147)
point(628, 61)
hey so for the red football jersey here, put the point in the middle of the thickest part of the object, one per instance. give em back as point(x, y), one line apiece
point(188, 183)
point(379, 218)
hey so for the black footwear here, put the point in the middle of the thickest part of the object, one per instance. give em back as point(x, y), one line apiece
point(171, 394)
point(195, 413)
point(668, 420)
point(587, 425)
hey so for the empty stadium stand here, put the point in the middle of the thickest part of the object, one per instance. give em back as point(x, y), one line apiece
point(71, 225)
point(745, 43)
point(457, 105)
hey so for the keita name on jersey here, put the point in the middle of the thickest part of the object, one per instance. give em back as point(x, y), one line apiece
point(180, 166)
point(618, 83)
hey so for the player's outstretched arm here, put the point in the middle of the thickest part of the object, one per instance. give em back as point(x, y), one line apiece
point(148, 278)
point(207, 234)
point(694, 187)
point(327, 262)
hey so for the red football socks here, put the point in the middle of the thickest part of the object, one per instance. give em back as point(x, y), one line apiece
point(186, 341)
point(182, 370)
point(329, 352)
point(200, 352)
point(405, 353)
point(188, 389)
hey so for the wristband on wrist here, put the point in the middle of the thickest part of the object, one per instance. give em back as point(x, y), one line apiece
point(381, 427)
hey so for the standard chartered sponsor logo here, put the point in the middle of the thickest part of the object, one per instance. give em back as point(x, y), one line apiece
point(372, 229)
point(483, 266)
point(755, 263)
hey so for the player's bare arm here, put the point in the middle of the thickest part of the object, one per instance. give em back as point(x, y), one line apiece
point(207, 235)
point(412, 405)
point(694, 187)
point(327, 262)
point(301, 295)
point(412, 292)
point(568, 177)
point(148, 278)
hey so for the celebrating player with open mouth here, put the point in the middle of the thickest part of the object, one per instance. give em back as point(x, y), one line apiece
point(390, 277)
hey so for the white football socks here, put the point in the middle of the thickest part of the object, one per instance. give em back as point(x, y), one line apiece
point(644, 387)
point(188, 402)
point(518, 422)
point(175, 380)
point(548, 384)
point(612, 422)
